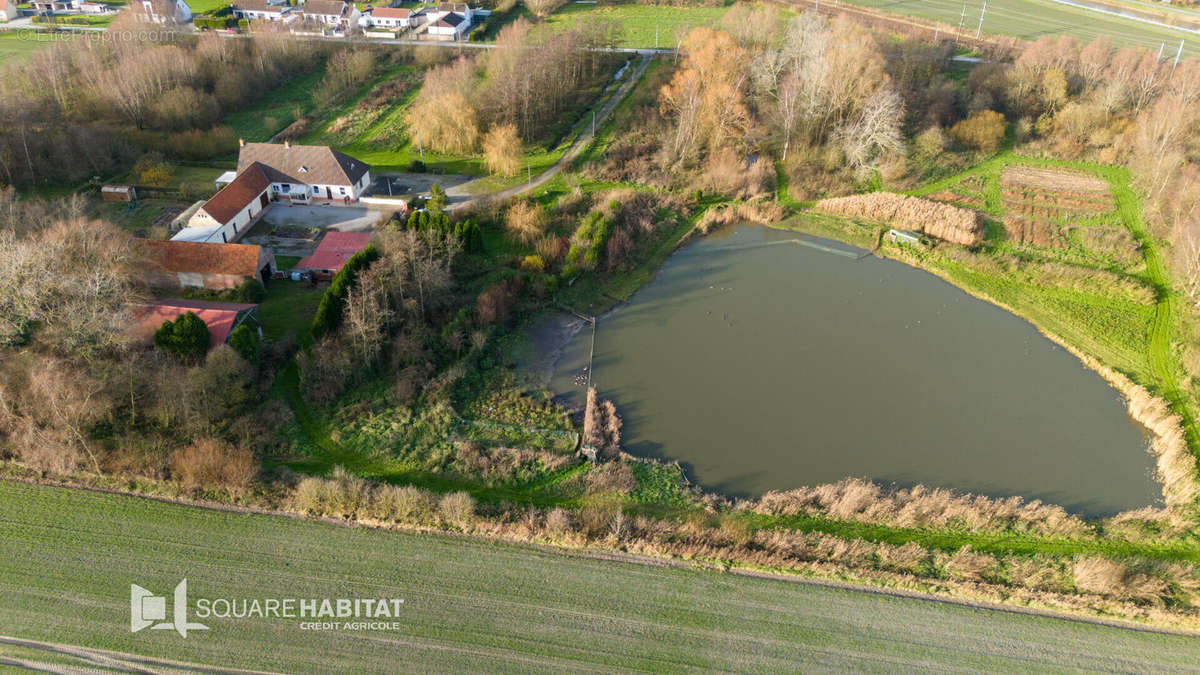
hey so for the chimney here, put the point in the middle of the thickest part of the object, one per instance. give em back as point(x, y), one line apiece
point(241, 142)
point(287, 145)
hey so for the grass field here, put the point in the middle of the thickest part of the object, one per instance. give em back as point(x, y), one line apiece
point(1031, 19)
point(641, 23)
point(68, 558)
point(207, 6)
point(289, 307)
point(277, 108)
point(18, 46)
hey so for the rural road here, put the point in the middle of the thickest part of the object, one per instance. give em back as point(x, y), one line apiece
point(584, 139)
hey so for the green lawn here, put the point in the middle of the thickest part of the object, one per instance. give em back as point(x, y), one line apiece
point(190, 175)
point(277, 108)
point(1031, 19)
point(207, 6)
point(289, 307)
point(641, 23)
point(68, 558)
point(18, 46)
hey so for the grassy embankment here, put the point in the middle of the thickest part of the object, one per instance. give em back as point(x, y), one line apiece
point(69, 556)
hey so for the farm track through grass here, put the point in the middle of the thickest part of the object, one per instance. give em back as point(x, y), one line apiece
point(69, 557)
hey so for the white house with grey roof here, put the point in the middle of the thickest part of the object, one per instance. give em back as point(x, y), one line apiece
point(302, 173)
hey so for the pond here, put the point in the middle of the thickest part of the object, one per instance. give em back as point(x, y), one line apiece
point(762, 363)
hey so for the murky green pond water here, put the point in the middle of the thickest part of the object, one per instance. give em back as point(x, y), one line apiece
point(761, 364)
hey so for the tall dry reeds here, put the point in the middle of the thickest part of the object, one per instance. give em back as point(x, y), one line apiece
point(863, 501)
point(944, 221)
point(1175, 465)
point(601, 424)
point(761, 213)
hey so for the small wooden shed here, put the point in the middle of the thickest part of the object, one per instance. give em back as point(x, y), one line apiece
point(118, 193)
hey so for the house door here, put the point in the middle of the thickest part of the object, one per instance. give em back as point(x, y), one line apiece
point(265, 274)
point(263, 200)
point(329, 193)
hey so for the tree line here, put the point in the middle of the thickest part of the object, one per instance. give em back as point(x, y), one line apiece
point(105, 102)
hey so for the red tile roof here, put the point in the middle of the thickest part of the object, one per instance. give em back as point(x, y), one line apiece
point(218, 316)
point(247, 187)
point(334, 250)
point(385, 12)
point(202, 258)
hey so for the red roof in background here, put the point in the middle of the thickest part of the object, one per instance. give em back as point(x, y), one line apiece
point(334, 250)
point(218, 316)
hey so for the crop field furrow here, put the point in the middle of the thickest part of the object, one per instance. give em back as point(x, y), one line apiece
point(473, 604)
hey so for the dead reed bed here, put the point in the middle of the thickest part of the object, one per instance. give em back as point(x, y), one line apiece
point(863, 501)
point(761, 213)
point(944, 221)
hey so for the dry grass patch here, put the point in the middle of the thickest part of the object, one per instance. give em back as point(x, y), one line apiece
point(208, 463)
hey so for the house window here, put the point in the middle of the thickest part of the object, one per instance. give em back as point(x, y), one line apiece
point(342, 190)
point(285, 189)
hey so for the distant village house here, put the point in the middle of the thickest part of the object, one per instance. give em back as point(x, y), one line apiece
point(8, 11)
point(333, 13)
point(262, 10)
point(388, 17)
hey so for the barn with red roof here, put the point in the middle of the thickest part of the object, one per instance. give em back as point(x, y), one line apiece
point(333, 252)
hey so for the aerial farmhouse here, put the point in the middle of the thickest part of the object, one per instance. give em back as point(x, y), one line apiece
point(305, 173)
point(296, 174)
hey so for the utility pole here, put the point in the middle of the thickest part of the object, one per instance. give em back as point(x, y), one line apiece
point(961, 20)
point(1177, 55)
point(1161, 46)
point(656, 36)
point(979, 30)
point(529, 175)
